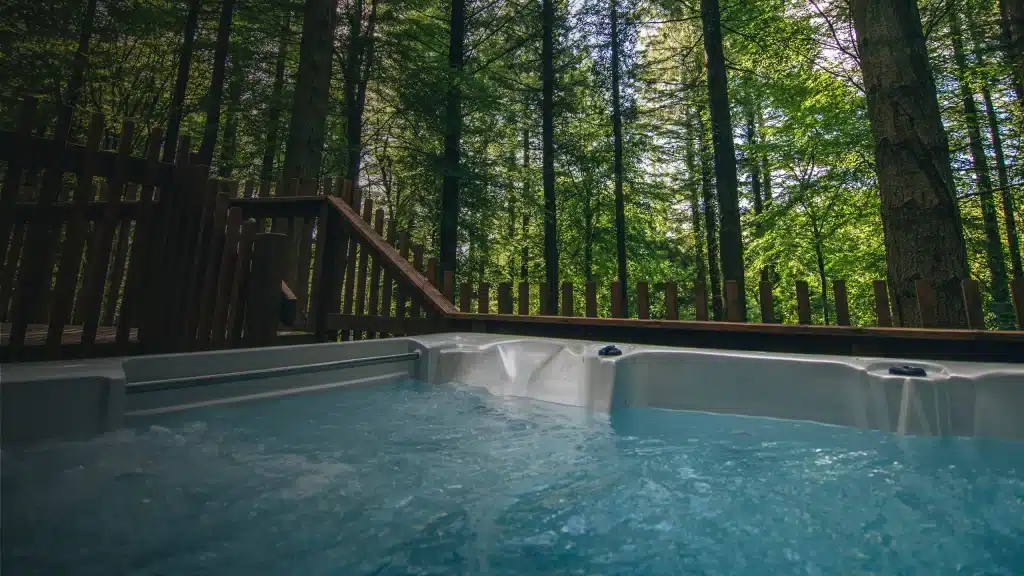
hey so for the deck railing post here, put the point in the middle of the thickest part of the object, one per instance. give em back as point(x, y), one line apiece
point(263, 301)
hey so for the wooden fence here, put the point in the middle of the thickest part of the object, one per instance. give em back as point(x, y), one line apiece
point(109, 253)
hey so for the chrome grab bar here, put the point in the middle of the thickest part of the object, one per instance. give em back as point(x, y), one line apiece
point(220, 378)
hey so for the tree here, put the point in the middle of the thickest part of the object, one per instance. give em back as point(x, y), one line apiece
point(453, 138)
point(620, 204)
point(731, 238)
point(920, 215)
point(550, 305)
point(181, 83)
point(304, 154)
point(215, 95)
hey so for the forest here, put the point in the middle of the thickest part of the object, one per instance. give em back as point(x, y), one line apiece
point(584, 140)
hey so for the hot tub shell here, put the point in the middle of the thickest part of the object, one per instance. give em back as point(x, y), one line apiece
point(55, 400)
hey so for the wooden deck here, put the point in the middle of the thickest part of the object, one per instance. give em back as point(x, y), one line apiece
point(105, 345)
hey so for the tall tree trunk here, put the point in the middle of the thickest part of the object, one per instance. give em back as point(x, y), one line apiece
point(79, 65)
point(920, 216)
point(181, 83)
point(725, 151)
point(453, 138)
point(216, 93)
point(304, 154)
point(548, 152)
point(1005, 191)
point(527, 193)
point(588, 235)
point(351, 87)
point(819, 254)
point(710, 217)
point(993, 245)
point(276, 105)
point(361, 53)
point(1011, 33)
point(229, 143)
point(693, 179)
point(754, 166)
point(620, 202)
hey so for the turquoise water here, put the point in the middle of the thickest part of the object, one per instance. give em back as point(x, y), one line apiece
point(418, 479)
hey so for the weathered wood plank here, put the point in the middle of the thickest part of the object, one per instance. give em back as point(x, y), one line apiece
point(842, 303)
point(591, 299)
point(483, 300)
point(926, 302)
point(643, 300)
point(263, 297)
point(803, 302)
point(225, 273)
point(767, 302)
point(567, 301)
point(883, 317)
point(240, 284)
point(71, 253)
point(972, 300)
point(671, 301)
point(505, 298)
point(700, 299)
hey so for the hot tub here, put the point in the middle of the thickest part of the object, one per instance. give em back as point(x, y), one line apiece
point(477, 454)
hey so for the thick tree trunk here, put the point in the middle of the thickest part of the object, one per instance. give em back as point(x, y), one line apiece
point(548, 159)
point(304, 154)
point(453, 139)
point(181, 83)
point(229, 143)
point(216, 93)
point(620, 202)
point(710, 218)
point(276, 105)
point(725, 151)
point(79, 65)
point(993, 246)
point(920, 216)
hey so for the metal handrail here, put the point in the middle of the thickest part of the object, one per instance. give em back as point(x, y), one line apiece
point(220, 378)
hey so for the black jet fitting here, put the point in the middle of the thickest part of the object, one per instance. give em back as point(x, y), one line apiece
point(609, 350)
point(907, 371)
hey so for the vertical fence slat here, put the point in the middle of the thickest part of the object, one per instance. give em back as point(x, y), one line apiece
point(163, 267)
point(215, 256)
point(264, 192)
point(643, 301)
point(200, 268)
point(229, 253)
point(402, 293)
point(524, 298)
point(972, 300)
point(465, 298)
point(483, 301)
point(544, 300)
point(616, 300)
point(883, 317)
point(364, 263)
point(505, 298)
point(387, 293)
point(1017, 290)
point(925, 302)
point(71, 254)
point(375, 265)
point(141, 248)
point(10, 193)
point(842, 303)
point(448, 285)
point(263, 296)
point(117, 269)
point(803, 302)
point(240, 284)
point(417, 263)
point(99, 252)
point(734, 310)
point(248, 189)
point(567, 302)
point(671, 301)
point(590, 298)
point(766, 301)
point(700, 299)
point(351, 259)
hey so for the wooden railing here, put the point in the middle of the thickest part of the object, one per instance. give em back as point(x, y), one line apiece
point(162, 258)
